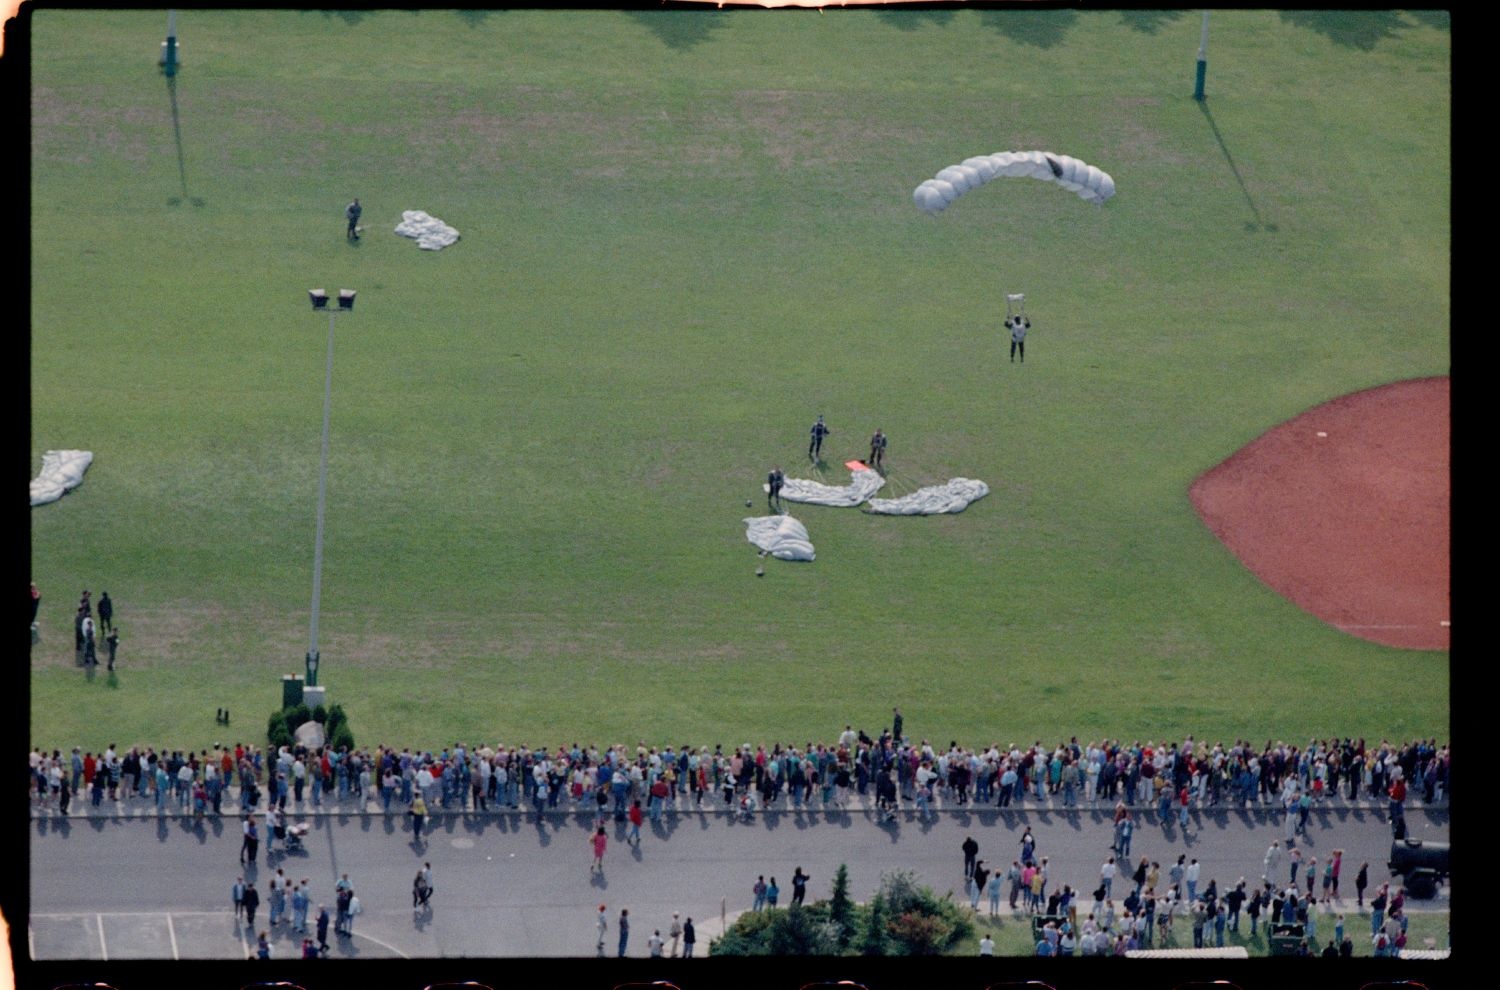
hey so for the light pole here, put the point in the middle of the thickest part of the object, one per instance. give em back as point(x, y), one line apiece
point(319, 300)
point(1202, 60)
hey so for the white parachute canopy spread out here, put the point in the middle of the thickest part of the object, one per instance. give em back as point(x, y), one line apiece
point(780, 536)
point(1090, 183)
point(431, 233)
point(62, 471)
point(933, 500)
point(861, 486)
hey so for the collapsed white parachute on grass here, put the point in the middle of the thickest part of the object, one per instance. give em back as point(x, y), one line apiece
point(1091, 184)
point(780, 536)
point(431, 234)
point(862, 484)
point(955, 496)
point(62, 471)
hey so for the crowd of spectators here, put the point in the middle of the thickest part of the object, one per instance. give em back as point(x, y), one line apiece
point(853, 767)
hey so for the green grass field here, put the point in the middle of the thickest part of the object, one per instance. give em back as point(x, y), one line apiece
point(684, 236)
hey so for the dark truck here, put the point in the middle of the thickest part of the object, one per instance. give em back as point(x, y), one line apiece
point(1424, 865)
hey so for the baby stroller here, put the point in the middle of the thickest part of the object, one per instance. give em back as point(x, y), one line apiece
point(294, 836)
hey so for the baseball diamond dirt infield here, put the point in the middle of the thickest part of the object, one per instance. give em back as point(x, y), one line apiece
point(1344, 510)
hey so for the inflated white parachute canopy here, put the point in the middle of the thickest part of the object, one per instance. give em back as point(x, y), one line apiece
point(1090, 183)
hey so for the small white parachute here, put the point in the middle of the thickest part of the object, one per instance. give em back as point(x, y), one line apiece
point(780, 536)
point(933, 500)
point(1089, 183)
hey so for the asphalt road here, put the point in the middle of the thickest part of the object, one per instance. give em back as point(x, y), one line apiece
point(508, 885)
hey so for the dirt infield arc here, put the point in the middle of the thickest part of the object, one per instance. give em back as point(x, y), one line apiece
point(1345, 511)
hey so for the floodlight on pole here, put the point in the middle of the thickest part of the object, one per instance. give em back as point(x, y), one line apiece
point(319, 299)
point(168, 61)
point(1202, 60)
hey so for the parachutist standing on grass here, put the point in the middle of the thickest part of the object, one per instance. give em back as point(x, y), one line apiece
point(351, 213)
point(1017, 325)
point(774, 481)
point(815, 447)
point(877, 450)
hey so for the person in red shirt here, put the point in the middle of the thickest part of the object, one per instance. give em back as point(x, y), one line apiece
point(1397, 794)
point(659, 793)
point(635, 823)
point(598, 841)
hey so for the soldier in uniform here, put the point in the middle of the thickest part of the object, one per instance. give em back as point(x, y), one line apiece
point(815, 448)
point(877, 449)
point(351, 213)
point(774, 481)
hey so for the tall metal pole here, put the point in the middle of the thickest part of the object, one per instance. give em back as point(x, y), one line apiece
point(312, 650)
point(1202, 60)
point(169, 47)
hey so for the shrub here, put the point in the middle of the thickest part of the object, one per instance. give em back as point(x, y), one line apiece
point(841, 907)
point(921, 934)
point(277, 733)
point(874, 939)
point(794, 931)
point(296, 716)
point(320, 716)
point(341, 737)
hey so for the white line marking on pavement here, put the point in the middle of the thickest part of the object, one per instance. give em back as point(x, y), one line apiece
point(172, 933)
point(30, 941)
point(387, 945)
point(99, 920)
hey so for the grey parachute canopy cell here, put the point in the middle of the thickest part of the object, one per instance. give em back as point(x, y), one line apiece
point(1091, 184)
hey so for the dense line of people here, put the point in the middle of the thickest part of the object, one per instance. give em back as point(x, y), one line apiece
point(829, 775)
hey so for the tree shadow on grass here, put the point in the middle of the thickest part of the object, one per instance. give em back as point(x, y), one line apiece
point(680, 30)
point(1038, 28)
point(1359, 29)
point(473, 18)
point(1440, 19)
point(911, 20)
point(1150, 21)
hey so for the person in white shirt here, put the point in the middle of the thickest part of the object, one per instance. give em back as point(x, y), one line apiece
point(986, 946)
point(1017, 325)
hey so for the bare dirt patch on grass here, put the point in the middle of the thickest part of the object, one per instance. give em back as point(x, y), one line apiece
point(1345, 511)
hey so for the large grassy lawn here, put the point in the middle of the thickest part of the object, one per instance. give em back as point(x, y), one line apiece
point(685, 235)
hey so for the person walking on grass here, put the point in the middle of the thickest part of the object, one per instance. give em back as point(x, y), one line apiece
point(814, 448)
point(352, 213)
